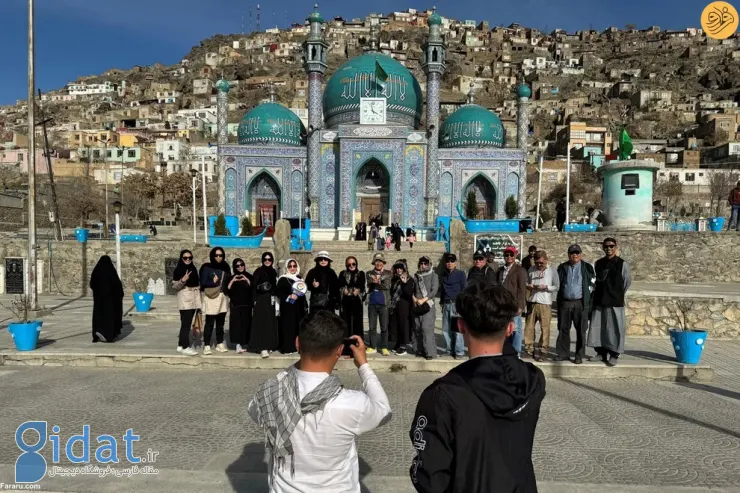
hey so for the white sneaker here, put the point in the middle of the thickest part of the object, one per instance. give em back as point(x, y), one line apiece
point(265, 354)
point(179, 349)
point(400, 352)
point(188, 351)
point(221, 348)
point(207, 350)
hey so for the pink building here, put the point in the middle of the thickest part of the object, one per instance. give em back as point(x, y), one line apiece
point(19, 157)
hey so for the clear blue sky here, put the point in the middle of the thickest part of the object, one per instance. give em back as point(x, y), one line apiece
point(86, 37)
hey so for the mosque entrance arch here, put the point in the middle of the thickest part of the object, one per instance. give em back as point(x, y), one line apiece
point(485, 196)
point(263, 200)
point(372, 187)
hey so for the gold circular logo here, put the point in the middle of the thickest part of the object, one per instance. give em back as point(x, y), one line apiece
point(719, 20)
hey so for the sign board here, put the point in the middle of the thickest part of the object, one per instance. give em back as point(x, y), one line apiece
point(169, 271)
point(15, 275)
point(497, 243)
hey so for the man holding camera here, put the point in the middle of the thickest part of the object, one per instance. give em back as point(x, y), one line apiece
point(474, 428)
point(310, 419)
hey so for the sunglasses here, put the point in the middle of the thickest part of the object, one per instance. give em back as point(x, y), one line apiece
point(508, 255)
point(187, 258)
point(610, 246)
point(239, 265)
point(292, 266)
point(268, 260)
point(219, 255)
point(351, 265)
point(450, 262)
point(423, 263)
point(574, 253)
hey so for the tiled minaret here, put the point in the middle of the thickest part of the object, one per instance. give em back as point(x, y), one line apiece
point(222, 115)
point(314, 52)
point(523, 93)
point(433, 63)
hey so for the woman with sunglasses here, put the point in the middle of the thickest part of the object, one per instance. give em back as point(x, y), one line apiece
point(292, 307)
point(240, 291)
point(425, 289)
point(186, 282)
point(264, 336)
point(322, 282)
point(215, 304)
point(400, 314)
point(352, 292)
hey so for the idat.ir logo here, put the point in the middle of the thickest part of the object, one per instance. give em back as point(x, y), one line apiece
point(31, 466)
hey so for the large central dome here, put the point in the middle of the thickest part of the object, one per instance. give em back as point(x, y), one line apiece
point(356, 79)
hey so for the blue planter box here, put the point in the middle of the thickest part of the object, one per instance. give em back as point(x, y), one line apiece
point(25, 335)
point(580, 228)
point(492, 226)
point(232, 224)
point(134, 238)
point(688, 345)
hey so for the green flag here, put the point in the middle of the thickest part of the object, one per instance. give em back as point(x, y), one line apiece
point(380, 75)
point(625, 145)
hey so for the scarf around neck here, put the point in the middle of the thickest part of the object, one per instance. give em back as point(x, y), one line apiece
point(293, 277)
point(280, 410)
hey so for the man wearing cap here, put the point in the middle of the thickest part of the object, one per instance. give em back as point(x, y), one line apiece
point(577, 279)
point(378, 287)
point(480, 273)
point(513, 277)
point(453, 282)
point(608, 323)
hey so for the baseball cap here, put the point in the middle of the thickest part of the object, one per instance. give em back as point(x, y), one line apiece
point(378, 256)
point(424, 260)
point(479, 254)
point(451, 257)
point(510, 249)
point(574, 248)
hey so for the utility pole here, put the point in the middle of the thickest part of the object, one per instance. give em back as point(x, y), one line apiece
point(32, 293)
point(54, 201)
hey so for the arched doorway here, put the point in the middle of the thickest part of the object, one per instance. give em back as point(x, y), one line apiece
point(372, 186)
point(263, 199)
point(485, 197)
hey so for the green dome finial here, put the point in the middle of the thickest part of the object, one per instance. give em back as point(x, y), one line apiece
point(315, 15)
point(523, 91)
point(222, 85)
point(435, 19)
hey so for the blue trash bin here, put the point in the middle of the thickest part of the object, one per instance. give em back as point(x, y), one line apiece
point(716, 223)
point(143, 301)
point(81, 234)
point(688, 345)
point(25, 335)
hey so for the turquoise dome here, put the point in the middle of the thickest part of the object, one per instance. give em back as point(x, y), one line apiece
point(222, 86)
point(271, 124)
point(523, 91)
point(472, 126)
point(356, 79)
point(435, 19)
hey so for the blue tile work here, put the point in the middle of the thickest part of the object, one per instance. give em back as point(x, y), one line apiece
point(328, 180)
point(413, 207)
point(445, 194)
point(230, 185)
point(296, 183)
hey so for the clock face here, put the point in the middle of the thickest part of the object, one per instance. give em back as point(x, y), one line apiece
point(372, 111)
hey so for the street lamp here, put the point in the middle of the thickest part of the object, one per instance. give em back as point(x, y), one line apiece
point(117, 209)
point(194, 174)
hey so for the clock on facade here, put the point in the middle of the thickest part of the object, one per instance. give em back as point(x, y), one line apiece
point(372, 111)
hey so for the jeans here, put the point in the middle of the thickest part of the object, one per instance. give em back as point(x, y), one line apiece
point(516, 336)
point(373, 313)
point(734, 218)
point(454, 341)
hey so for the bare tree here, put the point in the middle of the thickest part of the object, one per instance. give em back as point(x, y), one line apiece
point(671, 191)
point(720, 184)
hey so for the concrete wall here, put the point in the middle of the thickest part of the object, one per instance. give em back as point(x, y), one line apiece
point(650, 315)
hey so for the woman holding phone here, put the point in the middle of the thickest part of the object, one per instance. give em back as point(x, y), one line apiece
point(239, 290)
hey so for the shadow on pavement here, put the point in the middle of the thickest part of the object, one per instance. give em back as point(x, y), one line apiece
point(249, 473)
point(711, 389)
point(67, 302)
point(649, 355)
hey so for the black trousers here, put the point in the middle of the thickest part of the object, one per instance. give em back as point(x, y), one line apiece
point(220, 321)
point(571, 313)
point(352, 315)
point(186, 323)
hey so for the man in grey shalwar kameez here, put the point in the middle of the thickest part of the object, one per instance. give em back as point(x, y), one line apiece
point(608, 324)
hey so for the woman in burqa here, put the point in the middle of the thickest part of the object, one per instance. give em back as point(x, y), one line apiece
point(292, 307)
point(264, 336)
point(213, 275)
point(352, 291)
point(107, 291)
point(239, 289)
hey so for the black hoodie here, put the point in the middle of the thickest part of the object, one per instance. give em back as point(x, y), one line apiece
point(473, 429)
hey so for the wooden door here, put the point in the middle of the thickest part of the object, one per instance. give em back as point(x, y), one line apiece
point(267, 213)
point(370, 208)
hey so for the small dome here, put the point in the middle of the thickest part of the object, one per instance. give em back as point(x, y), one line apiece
point(357, 78)
point(472, 126)
point(271, 124)
point(315, 16)
point(523, 91)
point(435, 19)
point(222, 86)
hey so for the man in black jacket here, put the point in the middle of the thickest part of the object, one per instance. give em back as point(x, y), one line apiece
point(481, 273)
point(473, 429)
point(577, 280)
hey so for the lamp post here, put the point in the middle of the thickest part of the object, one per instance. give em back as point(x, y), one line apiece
point(539, 196)
point(194, 174)
point(203, 184)
point(567, 189)
point(117, 209)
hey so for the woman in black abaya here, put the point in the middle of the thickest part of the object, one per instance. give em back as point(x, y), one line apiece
point(292, 307)
point(323, 284)
point(213, 275)
point(107, 291)
point(352, 291)
point(263, 338)
point(240, 294)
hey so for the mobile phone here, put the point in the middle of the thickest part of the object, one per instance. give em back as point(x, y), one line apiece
point(348, 343)
point(453, 324)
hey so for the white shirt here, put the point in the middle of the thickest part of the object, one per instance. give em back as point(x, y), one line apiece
point(548, 277)
point(325, 452)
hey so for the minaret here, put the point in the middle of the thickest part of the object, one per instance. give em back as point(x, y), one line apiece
point(222, 116)
point(523, 93)
point(433, 63)
point(314, 53)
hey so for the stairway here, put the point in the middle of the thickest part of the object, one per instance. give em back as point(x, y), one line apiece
point(339, 250)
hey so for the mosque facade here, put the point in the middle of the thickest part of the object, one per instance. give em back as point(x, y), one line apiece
point(367, 150)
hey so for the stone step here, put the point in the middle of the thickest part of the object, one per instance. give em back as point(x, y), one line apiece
point(361, 246)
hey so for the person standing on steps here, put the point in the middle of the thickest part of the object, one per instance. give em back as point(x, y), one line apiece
point(513, 277)
point(107, 318)
point(378, 287)
point(399, 308)
point(241, 301)
point(608, 322)
point(352, 285)
point(560, 213)
point(293, 307)
point(323, 284)
point(734, 201)
point(543, 283)
point(474, 428)
point(264, 337)
point(453, 282)
point(215, 304)
point(426, 286)
point(186, 282)
point(577, 280)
